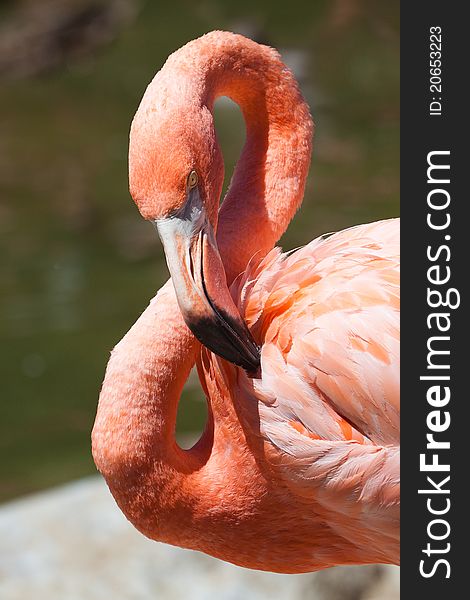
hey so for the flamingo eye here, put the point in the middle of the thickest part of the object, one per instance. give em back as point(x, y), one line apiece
point(192, 179)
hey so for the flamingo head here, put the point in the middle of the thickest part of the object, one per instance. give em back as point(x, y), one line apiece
point(176, 176)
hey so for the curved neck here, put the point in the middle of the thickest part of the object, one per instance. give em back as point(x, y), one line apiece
point(133, 437)
point(166, 492)
point(155, 483)
point(268, 183)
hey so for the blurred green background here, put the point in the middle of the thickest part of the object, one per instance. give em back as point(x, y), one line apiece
point(78, 264)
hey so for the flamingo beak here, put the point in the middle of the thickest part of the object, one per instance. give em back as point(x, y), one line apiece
point(201, 287)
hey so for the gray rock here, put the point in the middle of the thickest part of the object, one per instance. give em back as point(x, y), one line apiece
point(73, 543)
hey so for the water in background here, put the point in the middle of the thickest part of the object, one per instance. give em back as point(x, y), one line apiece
point(78, 264)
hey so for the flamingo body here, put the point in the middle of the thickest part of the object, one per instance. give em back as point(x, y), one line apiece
point(325, 412)
point(298, 467)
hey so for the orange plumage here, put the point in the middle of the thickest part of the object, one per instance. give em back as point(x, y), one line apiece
point(298, 467)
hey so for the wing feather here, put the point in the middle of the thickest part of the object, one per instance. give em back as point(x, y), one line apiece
point(328, 318)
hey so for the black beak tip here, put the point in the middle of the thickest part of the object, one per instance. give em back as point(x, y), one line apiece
point(252, 364)
point(238, 348)
point(254, 372)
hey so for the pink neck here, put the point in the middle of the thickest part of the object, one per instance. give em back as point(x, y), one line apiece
point(268, 183)
point(133, 436)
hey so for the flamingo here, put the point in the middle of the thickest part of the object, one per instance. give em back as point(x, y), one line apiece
point(297, 353)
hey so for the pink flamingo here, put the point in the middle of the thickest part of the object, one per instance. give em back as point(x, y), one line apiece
point(298, 466)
